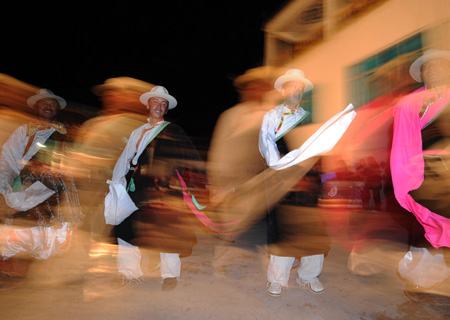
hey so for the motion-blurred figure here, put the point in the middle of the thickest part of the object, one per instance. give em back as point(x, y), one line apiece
point(370, 134)
point(235, 168)
point(151, 168)
point(419, 166)
point(99, 143)
point(14, 110)
point(296, 231)
point(42, 200)
point(352, 221)
point(372, 185)
point(233, 157)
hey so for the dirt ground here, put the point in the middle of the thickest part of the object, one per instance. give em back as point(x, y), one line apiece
point(220, 280)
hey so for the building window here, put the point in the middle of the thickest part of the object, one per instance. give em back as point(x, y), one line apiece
point(384, 72)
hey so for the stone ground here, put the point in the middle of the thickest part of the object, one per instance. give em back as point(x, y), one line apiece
point(219, 280)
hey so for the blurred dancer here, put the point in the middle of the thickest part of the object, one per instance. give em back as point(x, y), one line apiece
point(236, 183)
point(419, 166)
point(237, 129)
point(296, 231)
point(151, 168)
point(365, 232)
point(99, 143)
point(42, 198)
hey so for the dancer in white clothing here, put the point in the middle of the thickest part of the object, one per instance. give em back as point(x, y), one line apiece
point(153, 169)
point(297, 231)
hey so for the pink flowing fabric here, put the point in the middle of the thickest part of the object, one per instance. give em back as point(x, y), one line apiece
point(407, 164)
point(200, 215)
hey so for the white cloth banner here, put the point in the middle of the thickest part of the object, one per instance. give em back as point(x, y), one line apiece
point(29, 198)
point(322, 141)
point(118, 204)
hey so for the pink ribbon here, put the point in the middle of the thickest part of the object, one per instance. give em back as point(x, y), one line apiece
point(200, 215)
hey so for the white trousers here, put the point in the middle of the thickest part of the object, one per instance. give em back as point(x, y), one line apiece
point(279, 268)
point(129, 262)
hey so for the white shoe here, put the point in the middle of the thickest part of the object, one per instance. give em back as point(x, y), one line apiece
point(275, 289)
point(314, 285)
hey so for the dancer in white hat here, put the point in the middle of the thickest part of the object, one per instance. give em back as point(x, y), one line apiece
point(419, 169)
point(151, 171)
point(296, 233)
point(35, 186)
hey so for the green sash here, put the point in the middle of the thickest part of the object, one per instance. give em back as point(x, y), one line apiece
point(131, 187)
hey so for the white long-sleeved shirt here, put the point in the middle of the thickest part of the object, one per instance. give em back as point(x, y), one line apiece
point(268, 134)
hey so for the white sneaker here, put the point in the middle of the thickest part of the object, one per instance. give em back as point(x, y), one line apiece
point(275, 289)
point(314, 285)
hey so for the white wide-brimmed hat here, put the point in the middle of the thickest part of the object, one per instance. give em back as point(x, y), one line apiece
point(160, 92)
point(293, 75)
point(430, 54)
point(44, 94)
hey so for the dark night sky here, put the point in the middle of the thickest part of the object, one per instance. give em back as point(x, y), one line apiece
point(193, 48)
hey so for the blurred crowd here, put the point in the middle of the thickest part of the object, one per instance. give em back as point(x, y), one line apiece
point(371, 180)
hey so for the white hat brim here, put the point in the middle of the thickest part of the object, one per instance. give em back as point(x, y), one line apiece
point(33, 99)
point(290, 77)
point(172, 101)
point(416, 66)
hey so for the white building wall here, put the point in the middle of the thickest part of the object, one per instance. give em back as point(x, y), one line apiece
point(326, 64)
